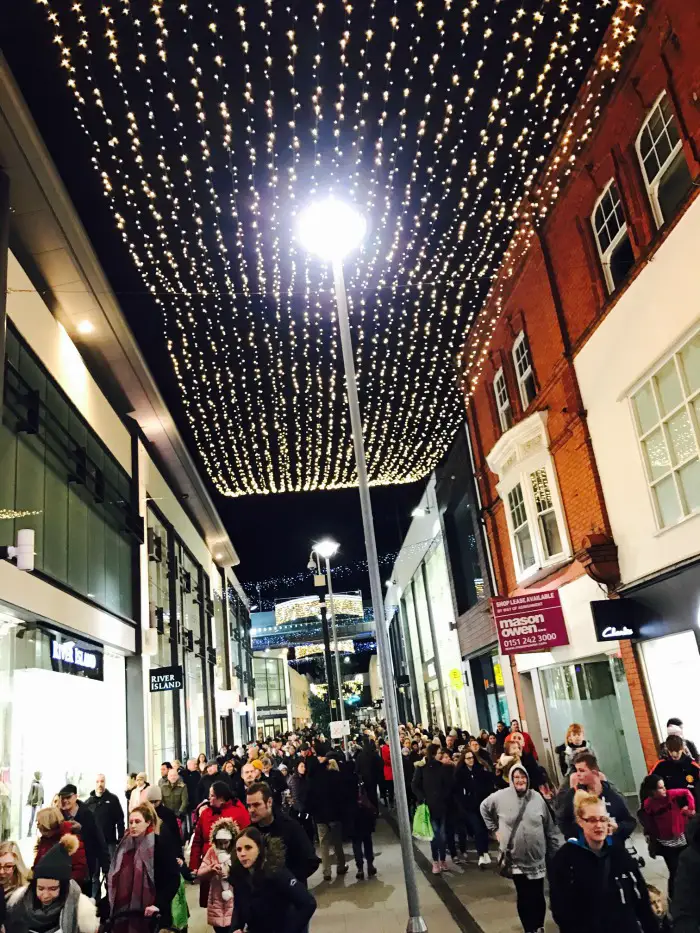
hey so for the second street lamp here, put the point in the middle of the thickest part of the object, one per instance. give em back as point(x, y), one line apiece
point(327, 549)
point(332, 229)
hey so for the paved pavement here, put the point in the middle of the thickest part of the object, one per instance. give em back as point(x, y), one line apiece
point(466, 899)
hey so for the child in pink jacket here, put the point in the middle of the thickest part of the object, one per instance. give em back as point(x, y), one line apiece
point(215, 866)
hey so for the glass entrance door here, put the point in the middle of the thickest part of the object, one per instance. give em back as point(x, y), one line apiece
point(586, 692)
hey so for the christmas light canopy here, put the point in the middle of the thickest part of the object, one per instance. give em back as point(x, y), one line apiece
point(331, 229)
point(238, 143)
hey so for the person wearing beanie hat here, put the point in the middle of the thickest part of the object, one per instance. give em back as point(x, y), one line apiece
point(674, 726)
point(169, 830)
point(52, 901)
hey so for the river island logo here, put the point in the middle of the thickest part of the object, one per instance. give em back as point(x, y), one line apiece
point(166, 678)
point(69, 653)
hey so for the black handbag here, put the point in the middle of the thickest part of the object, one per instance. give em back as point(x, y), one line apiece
point(505, 859)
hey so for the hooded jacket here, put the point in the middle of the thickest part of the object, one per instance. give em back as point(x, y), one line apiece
point(685, 908)
point(617, 900)
point(219, 906)
point(617, 809)
point(537, 835)
point(270, 899)
point(232, 809)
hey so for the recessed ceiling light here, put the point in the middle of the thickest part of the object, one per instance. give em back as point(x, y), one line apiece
point(86, 327)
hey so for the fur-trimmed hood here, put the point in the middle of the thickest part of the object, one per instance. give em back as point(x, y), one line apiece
point(274, 858)
point(225, 823)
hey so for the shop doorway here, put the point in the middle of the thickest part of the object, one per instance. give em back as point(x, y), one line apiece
point(590, 693)
point(489, 691)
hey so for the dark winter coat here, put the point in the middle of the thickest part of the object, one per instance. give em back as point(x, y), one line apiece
point(617, 900)
point(617, 809)
point(369, 766)
point(685, 907)
point(327, 798)
point(277, 784)
point(109, 815)
point(169, 829)
point(299, 788)
point(472, 787)
point(432, 785)
point(95, 845)
point(299, 854)
point(204, 784)
point(191, 780)
point(680, 774)
point(270, 899)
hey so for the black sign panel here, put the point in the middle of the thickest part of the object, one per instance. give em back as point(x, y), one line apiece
point(166, 678)
point(616, 619)
point(71, 656)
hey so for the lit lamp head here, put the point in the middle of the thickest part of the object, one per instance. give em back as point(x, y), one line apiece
point(326, 548)
point(330, 228)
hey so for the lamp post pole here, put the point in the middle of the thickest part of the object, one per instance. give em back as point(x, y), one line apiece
point(338, 675)
point(416, 923)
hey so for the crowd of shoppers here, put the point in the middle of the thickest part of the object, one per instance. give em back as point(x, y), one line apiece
point(247, 824)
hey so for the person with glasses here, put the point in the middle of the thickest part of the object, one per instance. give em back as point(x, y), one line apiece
point(589, 865)
point(587, 776)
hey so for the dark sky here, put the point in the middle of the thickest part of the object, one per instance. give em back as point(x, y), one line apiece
point(273, 533)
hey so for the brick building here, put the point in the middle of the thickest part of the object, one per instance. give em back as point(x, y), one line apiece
point(582, 380)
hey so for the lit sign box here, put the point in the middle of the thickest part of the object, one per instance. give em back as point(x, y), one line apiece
point(166, 678)
point(69, 656)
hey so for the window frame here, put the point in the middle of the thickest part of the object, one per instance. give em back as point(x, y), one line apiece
point(652, 187)
point(506, 422)
point(690, 398)
point(522, 379)
point(623, 233)
point(523, 478)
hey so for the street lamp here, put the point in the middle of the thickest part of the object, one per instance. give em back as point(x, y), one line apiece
point(331, 229)
point(325, 550)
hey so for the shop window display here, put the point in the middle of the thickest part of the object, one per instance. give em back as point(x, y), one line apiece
point(29, 746)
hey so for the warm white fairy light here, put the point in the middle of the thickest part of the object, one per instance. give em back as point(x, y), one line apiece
point(212, 124)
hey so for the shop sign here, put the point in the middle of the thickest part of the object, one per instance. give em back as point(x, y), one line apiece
point(614, 619)
point(69, 656)
point(166, 678)
point(530, 623)
point(456, 679)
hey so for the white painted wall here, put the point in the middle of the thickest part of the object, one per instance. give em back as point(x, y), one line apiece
point(659, 307)
point(576, 598)
point(51, 343)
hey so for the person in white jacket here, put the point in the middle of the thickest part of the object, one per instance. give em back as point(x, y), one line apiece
point(52, 902)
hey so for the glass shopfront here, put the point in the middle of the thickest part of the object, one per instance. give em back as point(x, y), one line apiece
point(489, 690)
point(595, 693)
point(51, 685)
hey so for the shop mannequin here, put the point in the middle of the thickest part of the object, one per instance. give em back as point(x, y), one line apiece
point(35, 799)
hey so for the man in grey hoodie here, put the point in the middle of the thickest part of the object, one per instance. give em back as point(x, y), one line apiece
point(526, 834)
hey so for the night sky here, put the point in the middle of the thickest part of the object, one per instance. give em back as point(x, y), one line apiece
point(273, 533)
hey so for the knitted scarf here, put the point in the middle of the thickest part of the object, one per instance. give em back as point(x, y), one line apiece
point(131, 879)
point(62, 914)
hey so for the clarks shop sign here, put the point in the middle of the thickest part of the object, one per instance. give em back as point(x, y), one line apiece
point(530, 623)
point(617, 619)
point(166, 678)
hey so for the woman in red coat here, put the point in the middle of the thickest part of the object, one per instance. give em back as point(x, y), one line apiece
point(385, 752)
point(52, 827)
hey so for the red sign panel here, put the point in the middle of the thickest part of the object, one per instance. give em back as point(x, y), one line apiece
point(530, 623)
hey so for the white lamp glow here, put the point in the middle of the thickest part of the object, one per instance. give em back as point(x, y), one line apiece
point(86, 327)
point(326, 548)
point(330, 228)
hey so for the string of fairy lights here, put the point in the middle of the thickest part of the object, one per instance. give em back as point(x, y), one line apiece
point(451, 124)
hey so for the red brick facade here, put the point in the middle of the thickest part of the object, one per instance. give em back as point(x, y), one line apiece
point(558, 295)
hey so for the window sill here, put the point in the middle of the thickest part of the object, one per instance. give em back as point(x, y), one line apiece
point(682, 521)
point(537, 574)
